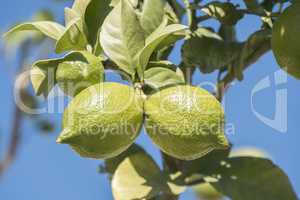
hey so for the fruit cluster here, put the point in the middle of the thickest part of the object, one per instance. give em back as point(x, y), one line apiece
point(103, 120)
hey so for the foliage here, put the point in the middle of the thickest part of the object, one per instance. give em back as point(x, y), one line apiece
point(135, 38)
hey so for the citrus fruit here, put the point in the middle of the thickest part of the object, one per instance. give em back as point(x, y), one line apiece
point(75, 75)
point(285, 43)
point(206, 191)
point(103, 120)
point(186, 122)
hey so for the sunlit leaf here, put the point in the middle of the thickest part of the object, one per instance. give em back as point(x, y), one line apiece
point(48, 28)
point(15, 39)
point(74, 37)
point(43, 71)
point(122, 37)
point(158, 77)
point(110, 165)
point(162, 63)
point(205, 191)
point(80, 6)
point(137, 177)
point(70, 15)
point(152, 15)
point(155, 39)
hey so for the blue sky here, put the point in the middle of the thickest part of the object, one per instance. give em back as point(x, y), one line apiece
point(46, 171)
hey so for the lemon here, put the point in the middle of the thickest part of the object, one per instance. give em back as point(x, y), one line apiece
point(185, 122)
point(74, 76)
point(207, 192)
point(103, 120)
point(285, 41)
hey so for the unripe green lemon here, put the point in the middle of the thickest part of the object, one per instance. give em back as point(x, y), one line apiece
point(186, 122)
point(74, 76)
point(103, 120)
point(207, 192)
point(285, 40)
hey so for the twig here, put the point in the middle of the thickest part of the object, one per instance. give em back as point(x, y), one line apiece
point(202, 18)
point(257, 54)
point(191, 14)
point(11, 153)
point(264, 14)
point(14, 142)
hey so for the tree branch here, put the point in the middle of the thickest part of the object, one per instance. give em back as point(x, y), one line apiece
point(263, 48)
point(11, 153)
point(14, 142)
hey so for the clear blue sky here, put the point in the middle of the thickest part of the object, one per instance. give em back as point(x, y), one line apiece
point(46, 171)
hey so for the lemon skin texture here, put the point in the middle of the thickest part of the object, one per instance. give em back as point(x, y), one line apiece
point(74, 76)
point(285, 40)
point(185, 122)
point(103, 120)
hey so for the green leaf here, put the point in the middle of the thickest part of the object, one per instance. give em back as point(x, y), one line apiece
point(226, 12)
point(80, 6)
point(113, 3)
point(207, 50)
point(254, 6)
point(122, 37)
point(155, 39)
point(16, 39)
point(42, 76)
point(251, 178)
point(73, 38)
point(48, 28)
point(70, 15)
point(43, 71)
point(139, 177)
point(206, 191)
point(248, 48)
point(110, 165)
point(177, 8)
point(98, 51)
point(205, 165)
point(158, 77)
point(94, 16)
point(134, 3)
point(162, 63)
point(152, 15)
point(228, 33)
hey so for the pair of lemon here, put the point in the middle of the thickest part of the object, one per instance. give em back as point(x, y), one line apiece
point(103, 120)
